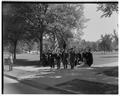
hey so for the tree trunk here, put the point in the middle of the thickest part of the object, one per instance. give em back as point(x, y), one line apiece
point(41, 45)
point(14, 51)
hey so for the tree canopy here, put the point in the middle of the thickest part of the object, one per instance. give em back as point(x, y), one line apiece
point(106, 42)
point(33, 21)
point(108, 9)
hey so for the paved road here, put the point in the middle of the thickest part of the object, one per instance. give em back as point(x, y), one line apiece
point(32, 68)
point(14, 87)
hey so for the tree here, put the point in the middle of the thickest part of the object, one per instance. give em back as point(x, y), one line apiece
point(13, 28)
point(115, 36)
point(24, 11)
point(108, 8)
point(64, 19)
point(105, 44)
point(56, 20)
point(115, 40)
point(28, 45)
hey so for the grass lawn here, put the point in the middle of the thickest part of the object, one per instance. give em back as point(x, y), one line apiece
point(99, 58)
point(33, 59)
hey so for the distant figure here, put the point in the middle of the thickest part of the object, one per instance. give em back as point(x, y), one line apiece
point(89, 57)
point(10, 62)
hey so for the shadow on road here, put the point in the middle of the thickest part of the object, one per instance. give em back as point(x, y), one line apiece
point(112, 71)
point(89, 87)
point(25, 62)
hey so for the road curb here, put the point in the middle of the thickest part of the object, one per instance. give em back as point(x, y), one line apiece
point(13, 77)
point(44, 86)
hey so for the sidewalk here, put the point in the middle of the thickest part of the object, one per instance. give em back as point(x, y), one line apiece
point(49, 79)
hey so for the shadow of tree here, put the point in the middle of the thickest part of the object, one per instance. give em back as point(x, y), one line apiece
point(112, 71)
point(25, 62)
point(89, 87)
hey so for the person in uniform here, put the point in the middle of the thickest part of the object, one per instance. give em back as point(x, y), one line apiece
point(76, 59)
point(52, 60)
point(84, 58)
point(72, 58)
point(58, 60)
point(65, 62)
point(61, 56)
point(79, 57)
point(55, 58)
point(44, 59)
point(49, 58)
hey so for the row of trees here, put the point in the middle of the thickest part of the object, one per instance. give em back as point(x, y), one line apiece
point(108, 42)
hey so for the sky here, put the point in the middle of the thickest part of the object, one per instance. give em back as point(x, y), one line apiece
point(97, 25)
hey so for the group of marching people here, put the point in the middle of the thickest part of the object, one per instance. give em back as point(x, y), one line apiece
point(66, 58)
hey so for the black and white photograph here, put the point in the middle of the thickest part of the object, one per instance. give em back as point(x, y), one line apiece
point(60, 47)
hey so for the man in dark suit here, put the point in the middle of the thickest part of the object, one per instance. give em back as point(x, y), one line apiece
point(49, 62)
point(52, 60)
point(84, 57)
point(76, 58)
point(79, 56)
point(89, 57)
